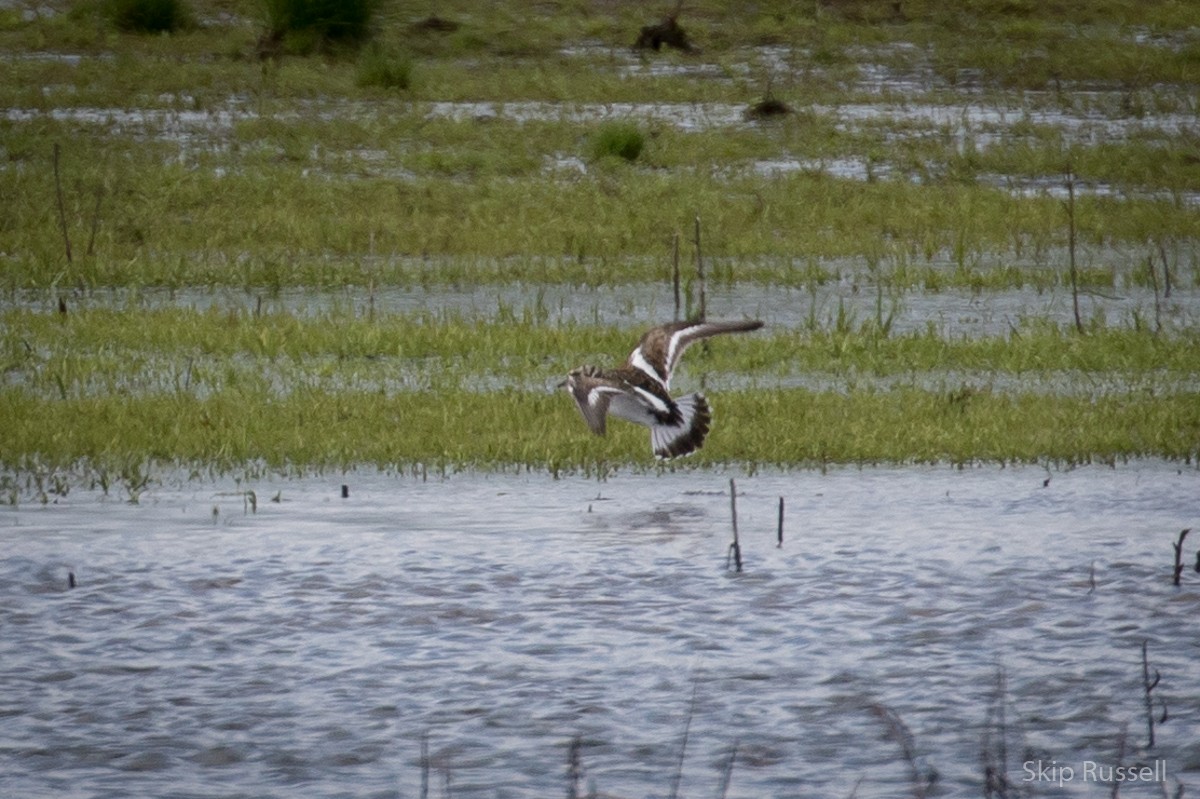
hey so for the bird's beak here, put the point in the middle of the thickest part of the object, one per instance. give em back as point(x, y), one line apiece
point(563, 384)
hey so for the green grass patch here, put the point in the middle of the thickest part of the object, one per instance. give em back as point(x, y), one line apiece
point(454, 430)
point(296, 212)
point(384, 69)
point(338, 389)
point(618, 140)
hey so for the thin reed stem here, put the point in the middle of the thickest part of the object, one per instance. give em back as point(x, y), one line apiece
point(62, 211)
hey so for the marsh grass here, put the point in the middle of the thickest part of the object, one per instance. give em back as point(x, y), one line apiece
point(308, 177)
point(383, 68)
point(462, 429)
point(618, 140)
point(218, 170)
point(230, 387)
point(293, 203)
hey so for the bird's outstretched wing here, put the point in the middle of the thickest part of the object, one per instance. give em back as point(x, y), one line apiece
point(661, 347)
point(593, 394)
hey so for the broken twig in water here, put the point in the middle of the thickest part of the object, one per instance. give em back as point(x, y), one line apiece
point(896, 730)
point(1178, 545)
point(687, 727)
point(1149, 685)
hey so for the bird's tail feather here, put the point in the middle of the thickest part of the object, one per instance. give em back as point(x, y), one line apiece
point(686, 436)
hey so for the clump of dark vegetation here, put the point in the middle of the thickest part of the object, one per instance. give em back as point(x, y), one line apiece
point(149, 16)
point(668, 32)
point(768, 108)
point(620, 139)
point(434, 24)
point(383, 68)
point(305, 26)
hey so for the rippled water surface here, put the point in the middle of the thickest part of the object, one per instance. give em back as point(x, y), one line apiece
point(305, 648)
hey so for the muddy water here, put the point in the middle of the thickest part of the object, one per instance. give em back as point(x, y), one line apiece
point(304, 649)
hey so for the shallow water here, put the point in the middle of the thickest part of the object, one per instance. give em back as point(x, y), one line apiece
point(951, 312)
point(305, 648)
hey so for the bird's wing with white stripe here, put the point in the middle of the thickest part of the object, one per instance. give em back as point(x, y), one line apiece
point(593, 396)
point(685, 334)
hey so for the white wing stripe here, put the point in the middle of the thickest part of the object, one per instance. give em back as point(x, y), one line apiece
point(650, 399)
point(597, 394)
point(673, 346)
point(638, 361)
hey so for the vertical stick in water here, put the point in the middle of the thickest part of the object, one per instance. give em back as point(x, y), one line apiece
point(1071, 247)
point(1149, 686)
point(1154, 285)
point(735, 548)
point(1162, 251)
point(780, 532)
point(62, 211)
point(675, 272)
point(700, 275)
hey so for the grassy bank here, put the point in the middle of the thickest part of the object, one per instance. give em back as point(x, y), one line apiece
point(235, 430)
point(112, 387)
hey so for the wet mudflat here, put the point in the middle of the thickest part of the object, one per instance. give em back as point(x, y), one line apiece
point(219, 646)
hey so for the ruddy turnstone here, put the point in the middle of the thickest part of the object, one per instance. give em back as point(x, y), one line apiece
point(637, 391)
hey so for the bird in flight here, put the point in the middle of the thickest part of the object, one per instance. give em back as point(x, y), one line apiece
point(637, 391)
